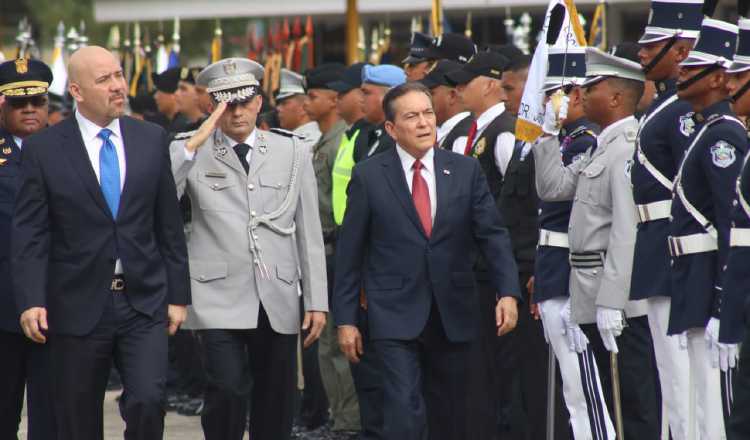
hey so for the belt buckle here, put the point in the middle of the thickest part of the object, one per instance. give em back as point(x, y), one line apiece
point(118, 285)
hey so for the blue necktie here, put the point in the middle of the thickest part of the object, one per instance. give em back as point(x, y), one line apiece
point(109, 172)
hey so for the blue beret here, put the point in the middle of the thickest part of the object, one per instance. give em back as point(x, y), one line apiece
point(386, 75)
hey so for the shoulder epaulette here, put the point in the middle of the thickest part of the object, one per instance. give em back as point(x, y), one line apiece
point(714, 119)
point(287, 133)
point(184, 135)
point(580, 131)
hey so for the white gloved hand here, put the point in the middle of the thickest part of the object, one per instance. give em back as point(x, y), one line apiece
point(610, 323)
point(683, 341)
point(577, 340)
point(712, 341)
point(552, 120)
point(728, 355)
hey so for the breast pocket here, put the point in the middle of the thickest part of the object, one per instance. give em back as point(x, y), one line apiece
point(215, 193)
point(273, 189)
point(592, 183)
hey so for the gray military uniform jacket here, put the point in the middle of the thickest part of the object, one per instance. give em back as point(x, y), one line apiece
point(309, 133)
point(255, 236)
point(603, 218)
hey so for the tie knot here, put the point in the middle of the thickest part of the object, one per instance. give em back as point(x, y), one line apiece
point(105, 133)
point(242, 149)
point(417, 165)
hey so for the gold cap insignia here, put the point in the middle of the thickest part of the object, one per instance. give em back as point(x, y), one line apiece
point(22, 66)
point(230, 68)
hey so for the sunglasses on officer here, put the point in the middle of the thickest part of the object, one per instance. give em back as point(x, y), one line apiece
point(35, 101)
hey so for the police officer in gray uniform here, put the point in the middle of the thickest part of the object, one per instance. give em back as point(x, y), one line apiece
point(602, 231)
point(256, 235)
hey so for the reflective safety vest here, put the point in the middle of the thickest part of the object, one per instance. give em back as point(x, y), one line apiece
point(342, 174)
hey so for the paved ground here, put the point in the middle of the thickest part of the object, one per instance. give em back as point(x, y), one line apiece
point(177, 427)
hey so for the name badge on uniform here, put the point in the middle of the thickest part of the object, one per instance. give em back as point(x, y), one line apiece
point(722, 154)
point(216, 174)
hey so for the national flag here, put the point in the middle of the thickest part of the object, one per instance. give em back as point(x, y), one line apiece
point(598, 31)
point(531, 110)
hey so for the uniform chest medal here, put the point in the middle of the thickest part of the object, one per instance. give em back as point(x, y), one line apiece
point(479, 149)
point(7, 150)
point(687, 124)
point(722, 154)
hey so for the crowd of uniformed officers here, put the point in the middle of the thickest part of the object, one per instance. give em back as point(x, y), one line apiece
point(221, 253)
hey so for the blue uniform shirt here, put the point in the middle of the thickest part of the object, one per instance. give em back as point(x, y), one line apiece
point(552, 270)
point(709, 173)
point(734, 303)
point(665, 133)
point(10, 169)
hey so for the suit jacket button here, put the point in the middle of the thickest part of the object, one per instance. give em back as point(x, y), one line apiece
point(202, 278)
point(214, 186)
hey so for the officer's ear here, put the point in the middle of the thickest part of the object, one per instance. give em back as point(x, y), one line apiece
point(683, 47)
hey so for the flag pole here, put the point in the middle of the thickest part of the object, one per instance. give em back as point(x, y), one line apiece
point(352, 32)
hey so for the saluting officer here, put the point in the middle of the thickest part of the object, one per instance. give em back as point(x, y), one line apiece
point(602, 232)
point(23, 85)
point(256, 234)
point(734, 309)
point(701, 203)
point(663, 136)
point(582, 388)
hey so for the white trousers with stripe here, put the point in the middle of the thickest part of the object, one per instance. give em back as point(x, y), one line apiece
point(582, 389)
point(673, 366)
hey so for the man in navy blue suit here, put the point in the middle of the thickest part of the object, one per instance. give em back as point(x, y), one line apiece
point(415, 219)
point(98, 254)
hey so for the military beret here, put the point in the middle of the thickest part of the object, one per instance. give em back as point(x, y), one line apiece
point(349, 80)
point(386, 75)
point(166, 82)
point(24, 77)
point(320, 76)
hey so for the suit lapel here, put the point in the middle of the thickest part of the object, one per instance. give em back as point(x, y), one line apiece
point(443, 161)
point(224, 153)
point(260, 153)
point(79, 160)
point(397, 181)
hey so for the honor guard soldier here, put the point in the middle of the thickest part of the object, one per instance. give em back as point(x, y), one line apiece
point(601, 234)
point(256, 235)
point(23, 85)
point(290, 100)
point(376, 81)
point(416, 64)
point(582, 389)
point(734, 307)
point(454, 121)
point(701, 204)
point(664, 134)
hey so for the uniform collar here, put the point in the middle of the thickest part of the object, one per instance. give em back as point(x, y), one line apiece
point(718, 108)
point(570, 127)
point(250, 140)
point(610, 129)
point(449, 124)
point(489, 115)
point(336, 130)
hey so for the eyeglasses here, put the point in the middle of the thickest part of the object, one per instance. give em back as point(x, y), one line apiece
point(35, 101)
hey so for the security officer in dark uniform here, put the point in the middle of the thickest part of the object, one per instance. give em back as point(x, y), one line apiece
point(416, 65)
point(735, 310)
point(453, 122)
point(699, 230)
point(166, 84)
point(376, 80)
point(23, 84)
point(664, 133)
point(566, 72)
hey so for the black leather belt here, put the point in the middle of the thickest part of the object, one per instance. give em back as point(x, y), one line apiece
point(118, 284)
point(583, 260)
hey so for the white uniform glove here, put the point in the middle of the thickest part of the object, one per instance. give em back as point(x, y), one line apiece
point(610, 323)
point(577, 340)
point(712, 341)
point(683, 340)
point(552, 120)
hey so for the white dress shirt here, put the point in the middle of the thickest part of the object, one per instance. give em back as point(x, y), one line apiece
point(250, 141)
point(93, 143)
point(447, 127)
point(427, 172)
point(505, 141)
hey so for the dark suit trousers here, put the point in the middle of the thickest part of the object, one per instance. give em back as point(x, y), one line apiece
point(425, 383)
point(257, 366)
point(638, 383)
point(368, 383)
point(80, 367)
point(24, 364)
point(739, 422)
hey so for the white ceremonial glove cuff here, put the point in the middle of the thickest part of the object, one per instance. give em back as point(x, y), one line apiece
point(552, 120)
point(712, 341)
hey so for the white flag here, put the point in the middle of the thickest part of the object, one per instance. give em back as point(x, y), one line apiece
point(59, 73)
point(531, 110)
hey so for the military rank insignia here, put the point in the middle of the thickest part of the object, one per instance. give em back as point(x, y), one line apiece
point(722, 154)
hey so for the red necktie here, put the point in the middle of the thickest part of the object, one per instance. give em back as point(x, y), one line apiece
point(421, 197)
point(470, 138)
